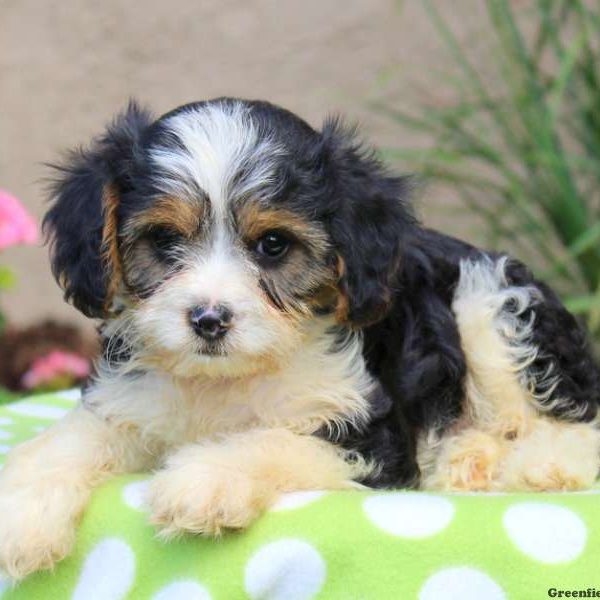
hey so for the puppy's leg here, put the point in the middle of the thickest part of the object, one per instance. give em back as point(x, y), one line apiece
point(506, 442)
point(497, 405)
point(496, 339)
point(215, 485)
point(46, 484)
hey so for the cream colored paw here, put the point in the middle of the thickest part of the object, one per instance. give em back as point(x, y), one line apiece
point(204, 499)
point(469, 461)
point(555, 456)
point(34, 534)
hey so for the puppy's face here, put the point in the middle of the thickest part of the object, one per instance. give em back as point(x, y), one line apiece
point(222, 229)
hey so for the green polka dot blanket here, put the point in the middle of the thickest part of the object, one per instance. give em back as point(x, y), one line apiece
point(347, 545)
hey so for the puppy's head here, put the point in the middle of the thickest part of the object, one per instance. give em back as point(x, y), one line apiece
point(222, 229)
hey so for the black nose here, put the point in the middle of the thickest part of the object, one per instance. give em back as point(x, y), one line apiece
point(212, 322)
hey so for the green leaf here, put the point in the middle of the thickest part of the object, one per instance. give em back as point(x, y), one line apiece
point(7, 278)
point(557, 91)
point(582, 304)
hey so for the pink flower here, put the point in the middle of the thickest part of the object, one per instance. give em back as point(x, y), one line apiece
point(16, 226)
point(58, 366)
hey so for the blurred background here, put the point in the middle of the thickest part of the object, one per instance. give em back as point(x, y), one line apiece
point(494, 103)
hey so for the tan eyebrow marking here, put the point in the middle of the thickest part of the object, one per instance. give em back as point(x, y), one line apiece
point(254, 220)
point(180, 215)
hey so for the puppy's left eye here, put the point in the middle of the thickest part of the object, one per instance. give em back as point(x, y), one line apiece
point(273, 245)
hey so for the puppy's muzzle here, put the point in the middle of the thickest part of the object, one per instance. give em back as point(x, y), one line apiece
point(211, 323)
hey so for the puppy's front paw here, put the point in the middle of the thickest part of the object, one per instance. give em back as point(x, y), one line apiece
point(204, 499)
point(34, 532)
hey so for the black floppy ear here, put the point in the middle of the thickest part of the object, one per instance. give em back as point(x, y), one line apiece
point(81, 225)
point(369, 222)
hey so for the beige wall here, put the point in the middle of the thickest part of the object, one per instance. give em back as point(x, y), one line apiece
point(66, 67)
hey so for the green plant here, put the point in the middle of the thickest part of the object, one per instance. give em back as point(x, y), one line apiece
point(521, 140)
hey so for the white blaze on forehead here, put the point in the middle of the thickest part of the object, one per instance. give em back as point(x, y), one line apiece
point(218, 141)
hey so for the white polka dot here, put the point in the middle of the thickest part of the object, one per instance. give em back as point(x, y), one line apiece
point(5, 435)
point(134, 494)
point(546, 532)
point(296, 500)
point(409, 514)
point(6, 421)
point(70, 394)
point(461, 583)
point(285, 570)
point(43, 411)
point(182, 590)
point(4, 449)
point(107, 573)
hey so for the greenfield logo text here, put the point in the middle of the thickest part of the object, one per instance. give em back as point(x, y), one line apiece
point(589, 593)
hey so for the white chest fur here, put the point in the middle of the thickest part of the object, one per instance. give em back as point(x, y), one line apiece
point(323, 385)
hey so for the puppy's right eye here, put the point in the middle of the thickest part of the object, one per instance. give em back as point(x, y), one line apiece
point(162, 238)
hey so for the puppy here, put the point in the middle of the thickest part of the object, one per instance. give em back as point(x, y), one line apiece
point(273, 319)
